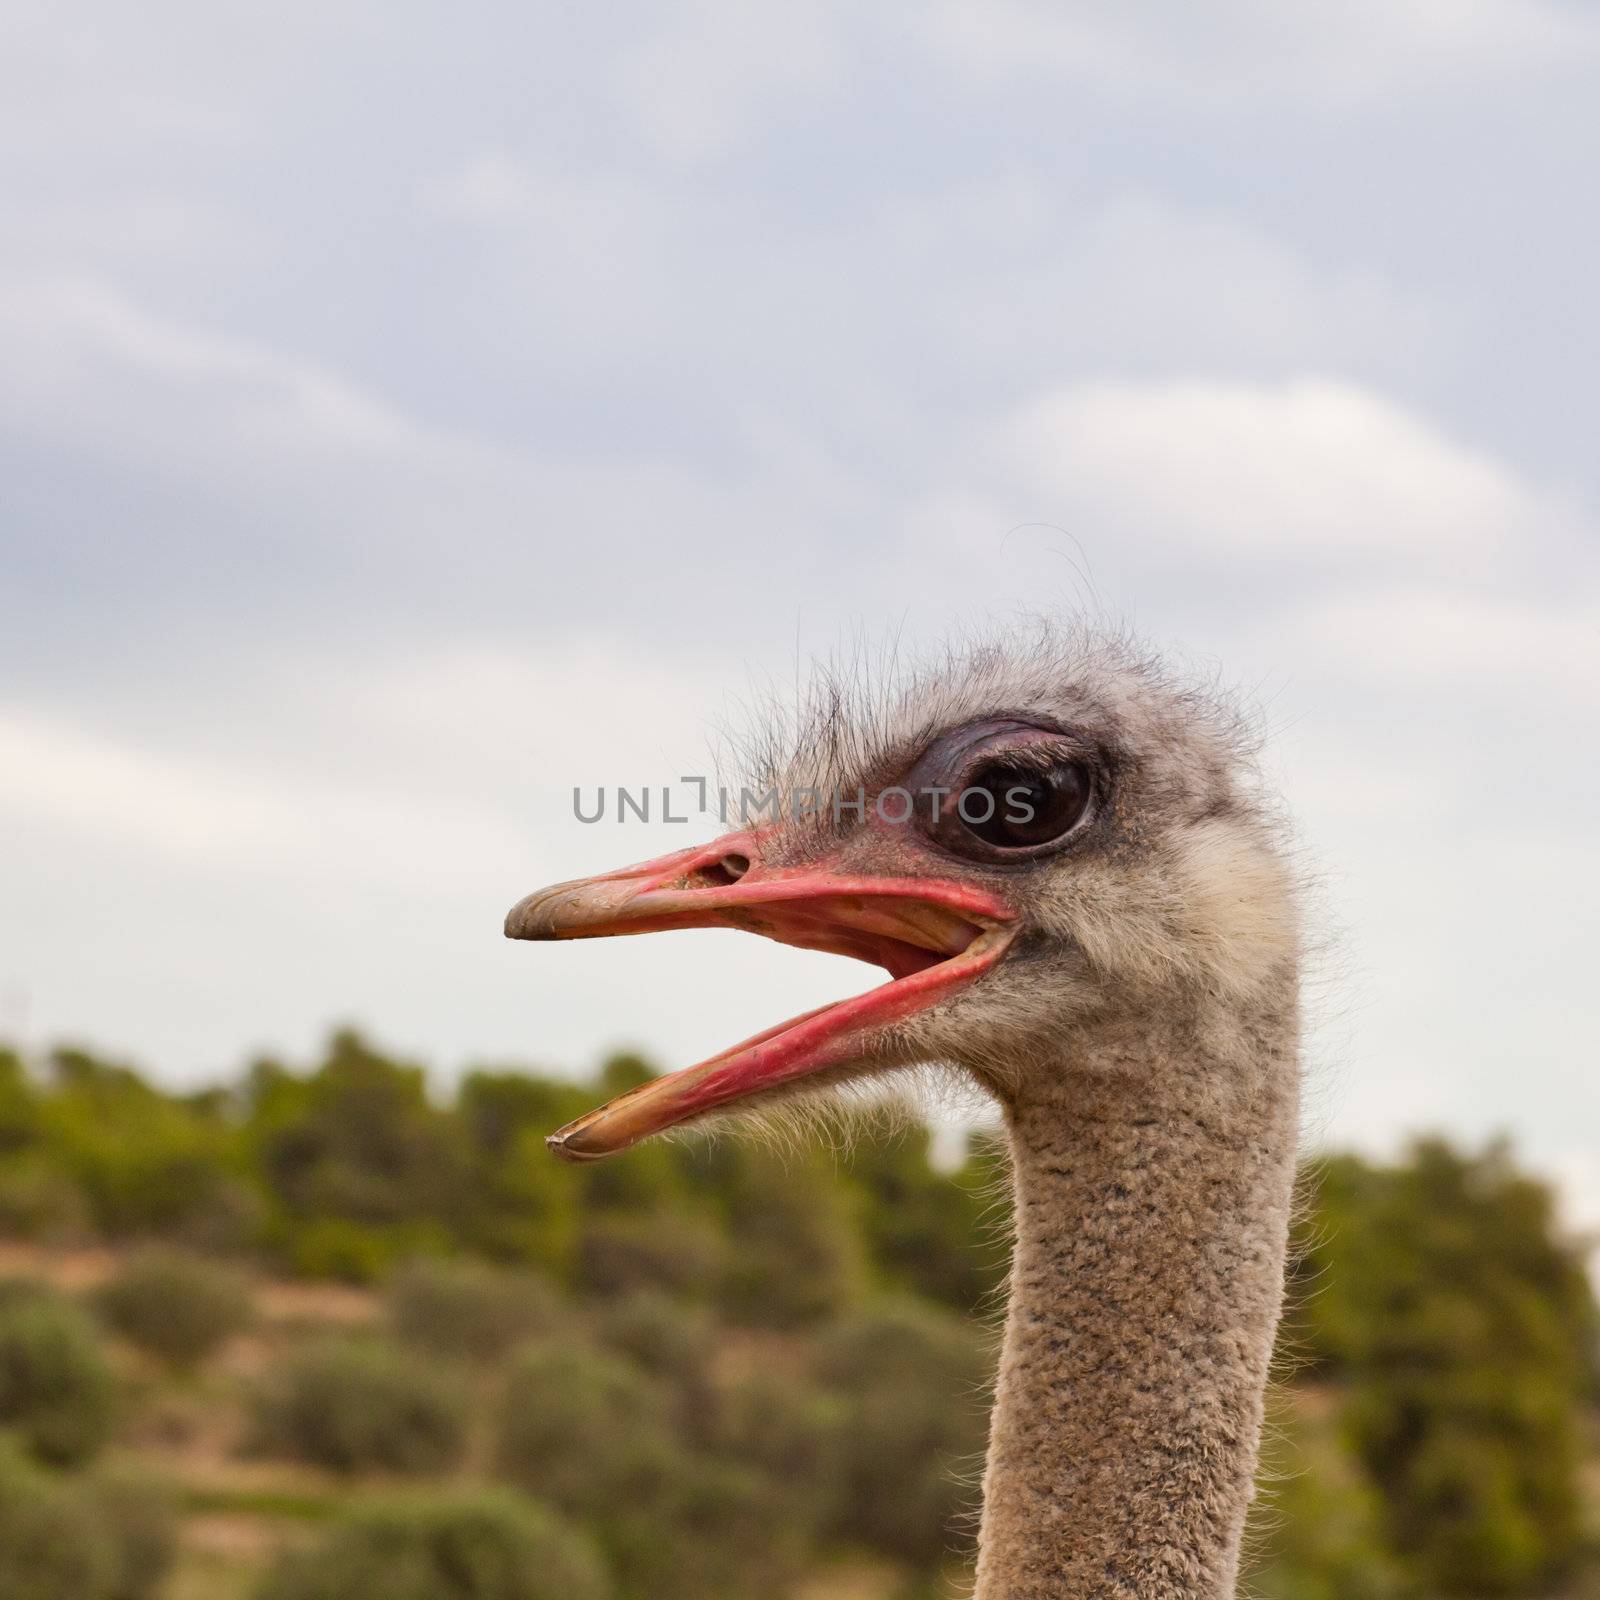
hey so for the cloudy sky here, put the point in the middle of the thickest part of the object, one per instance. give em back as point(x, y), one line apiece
point(407, 412)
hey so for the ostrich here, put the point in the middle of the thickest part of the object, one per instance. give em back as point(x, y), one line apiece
point(1087, 908)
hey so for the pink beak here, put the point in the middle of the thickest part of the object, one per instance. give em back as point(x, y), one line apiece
point(933, 935)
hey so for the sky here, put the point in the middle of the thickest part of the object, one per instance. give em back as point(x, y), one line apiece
point(408, 413)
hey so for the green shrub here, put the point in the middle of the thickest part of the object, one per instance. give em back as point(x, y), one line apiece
point(40, 1201)
point(621, 1252)
point(583, 1429)
point(356, 1405)
point(357, 1252)
point(19, 1103)
point(24, 1286)
point(743, 1512)
point(791, 1435)
point(593, 1434)
point(178, 1307)
point(468, 1545)
point(715, 1531)
point(49, 1548)
point(470, 1309)
point(910, 1379)
point(146, 1162)
point(103, 1538)
point(359, 1143)
point(796, 1252)
point(1315, 1530)
point(138, 1517)
point(1443, 1291)
point(669, 1339)
point(55, 1387)
point(931, 1232)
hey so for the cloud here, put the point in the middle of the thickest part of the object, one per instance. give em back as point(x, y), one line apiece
point(491, 187)
point(1312, 465)
point(1252, 51)
point(696, 85)
point(1025, 283)
point(1428, 640)
point(368, 769)
point(343, 840)
point(155, 464)
point(86, 360)
point(167, 470)
point(369, 477)
point(199, 813)
point(971, 287)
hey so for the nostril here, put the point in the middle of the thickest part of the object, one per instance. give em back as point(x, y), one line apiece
point(719, 874)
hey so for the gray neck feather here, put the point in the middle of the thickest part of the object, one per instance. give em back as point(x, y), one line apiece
point(1153, 1174)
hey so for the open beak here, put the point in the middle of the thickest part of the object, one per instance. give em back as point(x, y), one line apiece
point(933, 936)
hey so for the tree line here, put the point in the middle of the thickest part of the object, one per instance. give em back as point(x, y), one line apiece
point(717, 1360)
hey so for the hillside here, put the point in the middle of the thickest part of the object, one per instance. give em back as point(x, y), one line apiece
point(317, 1333)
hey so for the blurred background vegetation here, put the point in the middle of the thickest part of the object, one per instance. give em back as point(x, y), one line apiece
point(320, 1335)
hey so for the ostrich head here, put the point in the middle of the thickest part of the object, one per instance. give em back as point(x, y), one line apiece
point(1029, 839)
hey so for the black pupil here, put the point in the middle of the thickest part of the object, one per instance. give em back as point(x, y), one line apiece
point(1029, 808)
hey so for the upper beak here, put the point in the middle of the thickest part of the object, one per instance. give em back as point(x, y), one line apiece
point(932, 935)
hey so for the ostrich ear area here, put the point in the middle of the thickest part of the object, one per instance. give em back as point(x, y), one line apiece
point(932, 935)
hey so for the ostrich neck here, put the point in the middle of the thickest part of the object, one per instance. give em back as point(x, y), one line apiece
point(1153, 1176)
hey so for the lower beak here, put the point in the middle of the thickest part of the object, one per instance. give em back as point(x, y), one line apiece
point(934, 936)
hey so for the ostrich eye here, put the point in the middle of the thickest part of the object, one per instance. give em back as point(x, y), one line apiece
point(1010, 807)
point(1009, 789)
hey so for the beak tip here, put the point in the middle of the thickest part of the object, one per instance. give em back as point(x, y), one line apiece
point(562, 1143)
point(523, 920)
